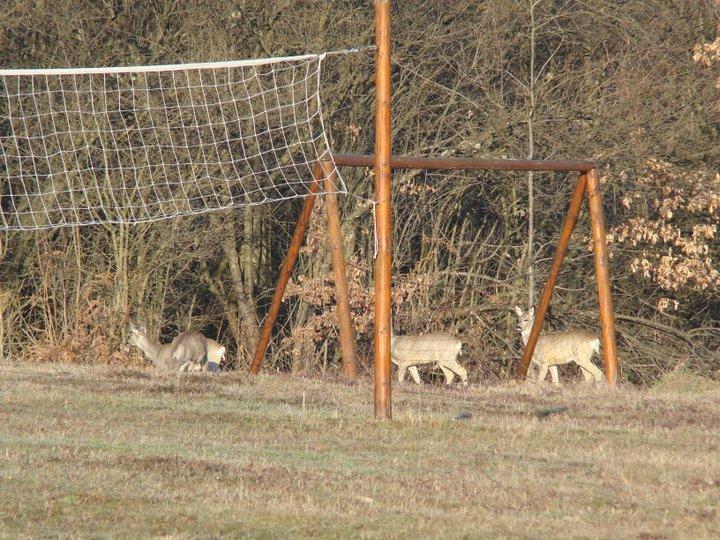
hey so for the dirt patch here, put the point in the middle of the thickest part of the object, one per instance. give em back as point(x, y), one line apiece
point(251, 472)
point(133, 374)
point(174, 464)
point(160, 388)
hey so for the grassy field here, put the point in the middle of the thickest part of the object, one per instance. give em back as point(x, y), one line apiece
point(87, 452)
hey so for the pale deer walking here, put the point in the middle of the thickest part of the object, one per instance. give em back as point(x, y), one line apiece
point(560, 348)
point(408, 352)
point(186, 345)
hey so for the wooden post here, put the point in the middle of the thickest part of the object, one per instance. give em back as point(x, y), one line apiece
point(383, 210)
point(286, 271)
point(347, 332)
point(568, 227)
point(607, 319)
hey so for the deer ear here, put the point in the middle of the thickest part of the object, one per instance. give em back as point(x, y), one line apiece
point(131, 327)
point(531, 311)
point(518, 311)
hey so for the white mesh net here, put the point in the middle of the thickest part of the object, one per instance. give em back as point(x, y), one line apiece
point(112, 145)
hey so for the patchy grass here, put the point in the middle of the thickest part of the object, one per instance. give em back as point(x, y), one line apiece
point(680, 381)
point(91, 451)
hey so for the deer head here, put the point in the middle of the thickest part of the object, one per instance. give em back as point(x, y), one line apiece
point(525, 320)
point(137, 334)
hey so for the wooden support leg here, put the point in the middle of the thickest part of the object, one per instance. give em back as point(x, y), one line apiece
point(607, 319)
point(383, 211)
point(286, 272)
point(347, 331)
point(568, 227)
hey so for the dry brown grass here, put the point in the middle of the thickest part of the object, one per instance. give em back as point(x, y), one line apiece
point(96, 451)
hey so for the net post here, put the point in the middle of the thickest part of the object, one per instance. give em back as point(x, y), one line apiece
point(567, 230)
point(602, 272)
point(347, 331)
point(383, 213)
point(286, 272)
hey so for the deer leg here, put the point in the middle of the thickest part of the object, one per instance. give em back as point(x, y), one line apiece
point(415, 375)
point(555, 375)
point(533, 371)
point(542, 373)
point(592, 370)
point(394, 361)
point(457, 368)
point(587, 376)
point(449, 374)
point(530, 370)
point(463, 374)
point(401, 373)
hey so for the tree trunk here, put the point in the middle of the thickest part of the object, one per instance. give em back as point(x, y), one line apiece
point(248, 331)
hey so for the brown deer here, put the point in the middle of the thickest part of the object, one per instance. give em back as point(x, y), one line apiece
point(190, 351)
point(553, 350)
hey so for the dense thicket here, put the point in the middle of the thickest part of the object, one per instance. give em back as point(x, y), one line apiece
point(622, 82)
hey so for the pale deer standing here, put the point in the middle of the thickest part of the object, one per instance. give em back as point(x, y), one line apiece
point(189, 349)
point(408, 352)
point(553, 350)
point(162, 357)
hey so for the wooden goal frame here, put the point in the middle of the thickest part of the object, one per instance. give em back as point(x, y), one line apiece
point(587, 186)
